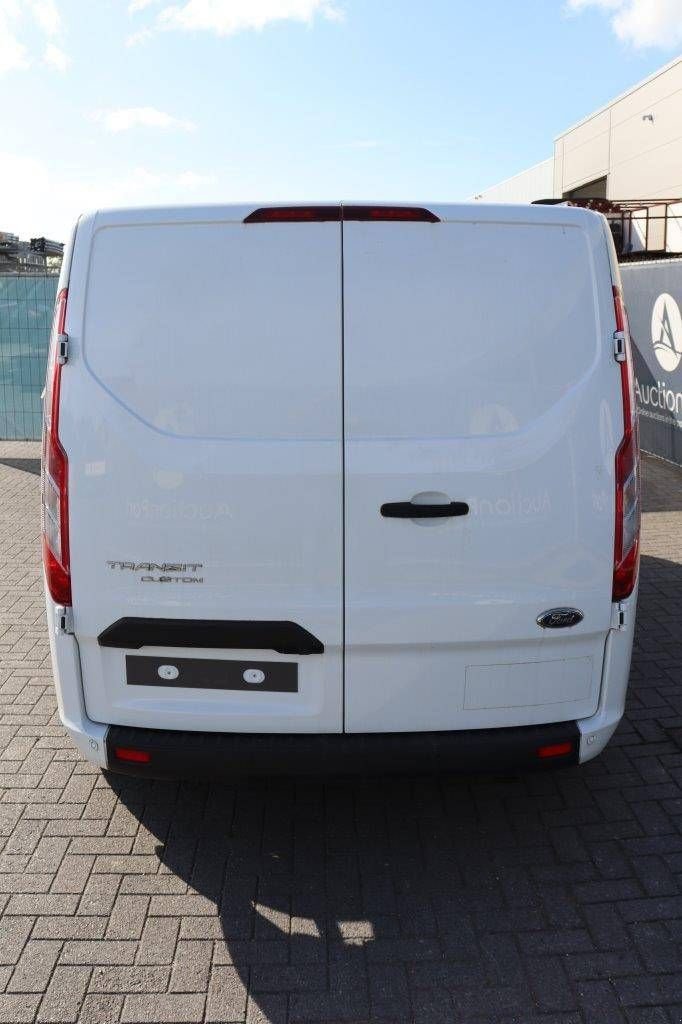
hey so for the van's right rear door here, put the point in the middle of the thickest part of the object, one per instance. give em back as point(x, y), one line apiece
point(479, 370)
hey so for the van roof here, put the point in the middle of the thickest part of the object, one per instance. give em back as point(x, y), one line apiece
point(484, 213)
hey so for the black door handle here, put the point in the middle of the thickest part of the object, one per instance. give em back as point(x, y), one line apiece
point(409, 510)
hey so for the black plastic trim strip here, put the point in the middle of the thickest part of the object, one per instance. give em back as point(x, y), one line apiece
point(180, 755)
point(282, 637)
point(408, 510)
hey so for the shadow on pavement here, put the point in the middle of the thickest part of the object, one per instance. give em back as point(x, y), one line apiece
point(27, 465)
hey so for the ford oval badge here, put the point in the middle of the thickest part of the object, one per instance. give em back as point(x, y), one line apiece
point(559, 618)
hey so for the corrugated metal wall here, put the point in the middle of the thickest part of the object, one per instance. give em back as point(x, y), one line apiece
point(26, 304)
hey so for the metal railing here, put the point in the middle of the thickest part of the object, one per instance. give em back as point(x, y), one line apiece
point(642, 229)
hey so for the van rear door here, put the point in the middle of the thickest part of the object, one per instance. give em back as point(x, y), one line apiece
point(201, 413)
point(480, 379)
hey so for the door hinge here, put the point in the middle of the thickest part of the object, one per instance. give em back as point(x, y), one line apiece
point(62, 348)
point(618, 616)
point(63, 616)
point(619, 349)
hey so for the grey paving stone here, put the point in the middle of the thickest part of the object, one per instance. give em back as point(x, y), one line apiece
point(18, 1009)
point(35, 966)
point(100, 1009)
point(163, 1009)
point(64, 995)
point(227, 996)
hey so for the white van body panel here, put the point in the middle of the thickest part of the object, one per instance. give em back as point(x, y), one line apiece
point(597, 730)
point(88, 736)
point(243, 399)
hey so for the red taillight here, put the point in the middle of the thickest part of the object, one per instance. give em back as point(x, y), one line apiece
point(626, 549)
point(55, 470)
point(555, 750)
point(293, 214)
point(132, 754)
point(312, 214)
point(626, 545)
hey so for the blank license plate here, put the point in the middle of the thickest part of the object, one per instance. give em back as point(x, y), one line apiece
point(212, 674)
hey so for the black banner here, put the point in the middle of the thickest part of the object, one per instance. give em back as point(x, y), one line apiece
point(653, 296)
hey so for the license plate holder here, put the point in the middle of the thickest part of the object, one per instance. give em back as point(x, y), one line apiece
point(212, 673)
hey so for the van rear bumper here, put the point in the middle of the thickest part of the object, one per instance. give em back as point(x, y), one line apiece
point(171, 754)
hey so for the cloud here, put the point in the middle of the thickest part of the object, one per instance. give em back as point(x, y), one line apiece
point(13, 54)
point(47, 199)
point(227, 17)
point(641, 23)
point(46, 15)
point(55, 58)
point(125, 118)
point(32, 17)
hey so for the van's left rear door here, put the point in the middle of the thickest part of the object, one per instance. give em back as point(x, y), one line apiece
point(201, 416)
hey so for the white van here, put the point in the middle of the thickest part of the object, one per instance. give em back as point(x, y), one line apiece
point(340, 488)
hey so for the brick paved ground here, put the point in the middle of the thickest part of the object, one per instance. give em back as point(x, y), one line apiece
point(533, 898)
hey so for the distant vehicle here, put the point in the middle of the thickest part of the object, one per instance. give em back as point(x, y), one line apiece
point(340, 487)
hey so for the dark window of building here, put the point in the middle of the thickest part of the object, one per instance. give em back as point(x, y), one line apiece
point(592, 190)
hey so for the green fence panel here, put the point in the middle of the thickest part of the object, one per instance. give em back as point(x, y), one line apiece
point(26, 304)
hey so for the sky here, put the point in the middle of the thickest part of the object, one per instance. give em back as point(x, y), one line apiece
point(138, 102)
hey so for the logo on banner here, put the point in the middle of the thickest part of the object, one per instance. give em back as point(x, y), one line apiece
point(666, 332)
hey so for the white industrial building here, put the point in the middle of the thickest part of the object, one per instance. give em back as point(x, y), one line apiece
point(537, 182)
point(630, 149)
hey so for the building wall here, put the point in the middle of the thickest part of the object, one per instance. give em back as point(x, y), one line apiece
point(641, 158)
point(534, 183)
point(582, 154)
